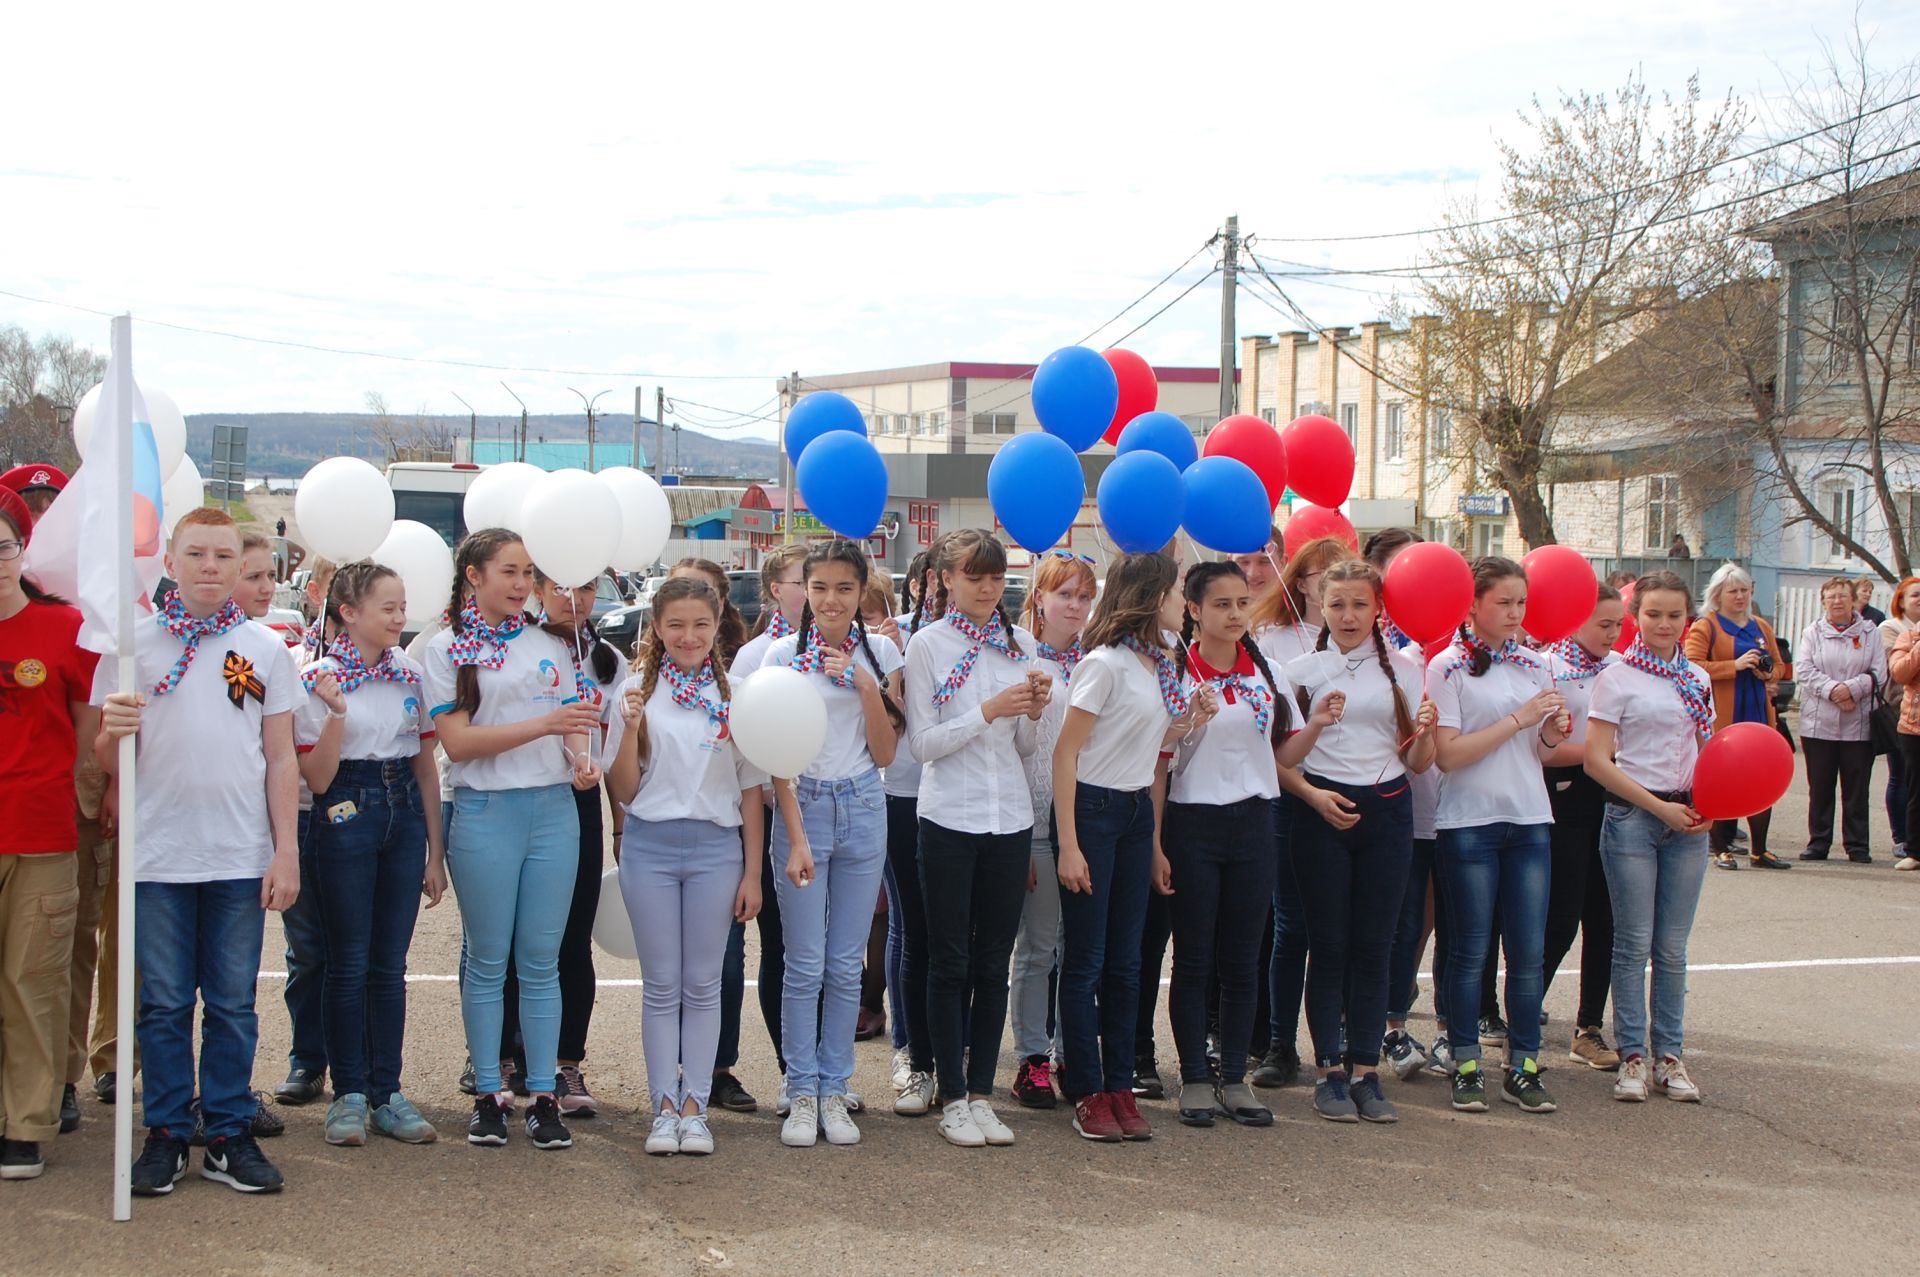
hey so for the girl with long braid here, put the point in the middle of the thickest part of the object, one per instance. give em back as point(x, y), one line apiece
point(1359, 743)
point(690, 867)
point(825, 922)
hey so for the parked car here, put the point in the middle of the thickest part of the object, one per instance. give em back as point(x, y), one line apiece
point(288, 623)
point(622, 625)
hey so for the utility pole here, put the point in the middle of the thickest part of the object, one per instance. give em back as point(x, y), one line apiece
point(637, 401)
point(789, 395)
point(589, 406)
point(520, 442)
point(1228, 264)
point(472, 422)
point(676, 447)
point(659, 432)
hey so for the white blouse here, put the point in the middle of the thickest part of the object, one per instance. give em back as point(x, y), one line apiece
point(972, 779)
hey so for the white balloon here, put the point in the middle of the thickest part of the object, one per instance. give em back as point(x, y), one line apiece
point(495, 499)
point(778, 720)
point(163, 417)
point(183, 491)
point(646, 519)
point(612, 928)
point(425, 565)
point(572, 526)
point(344, 509)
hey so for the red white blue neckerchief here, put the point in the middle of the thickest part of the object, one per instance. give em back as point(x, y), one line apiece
point(994, 636)
point(779, 627)
point(1241, 681)
point(811, 657)
point(1396, 637)
point(1170, 693)
point(1580, 663)
point(1696, 699)
point(1065, 657)
point(190, 630)
point(1509, 651)
point(687, 689)
point(583, 685)
point(351, 672)
point(481, 644)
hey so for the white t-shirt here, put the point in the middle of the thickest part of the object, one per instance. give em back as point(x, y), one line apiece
point(750, 656)
point(1117, 686)
point(692, 771)
point(1230, 759)
point(845, 753)
point(1364, 746)
point(1655, 742)
point(1282, 643)
point(384, 720)
point(1507, 786)
point(417, 650)
point(202, 805)
point(971, 779)
point(536, 679)
point(1046, 734)
point(1578, 689)
point(901, 777)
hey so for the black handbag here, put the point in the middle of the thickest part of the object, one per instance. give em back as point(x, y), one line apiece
point(1883, 724)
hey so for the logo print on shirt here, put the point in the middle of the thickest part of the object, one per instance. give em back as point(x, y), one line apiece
point(550, 672)
point(29, 673)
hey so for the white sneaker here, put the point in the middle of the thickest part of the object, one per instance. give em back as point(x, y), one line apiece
point(1631, 1085)
point(990, 1125)
point(856, 1102)
point(834, 1122)
point(958, 1128)
point(916, 1097)
point(902, 1069)
point(665, 1139)
point(1907, 862)
point(1670, 1075)
point(696, 1137)
point(802, 1127)
point(784, 1103)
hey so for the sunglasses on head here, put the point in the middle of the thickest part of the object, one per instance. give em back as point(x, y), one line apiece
point(1070, 557)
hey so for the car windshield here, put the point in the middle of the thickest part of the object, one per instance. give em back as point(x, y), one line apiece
point(441, 511)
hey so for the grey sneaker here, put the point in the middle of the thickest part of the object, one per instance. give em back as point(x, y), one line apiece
point(1373, 1106)
point(1196, 1104)
point(1332, 1100)
point(398, 1119)
point(1403, 1054)
point(1236, 1100)
point(1440, 1057)
point(347, 1121)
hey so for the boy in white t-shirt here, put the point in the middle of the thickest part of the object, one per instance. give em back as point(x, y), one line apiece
point(217, 801)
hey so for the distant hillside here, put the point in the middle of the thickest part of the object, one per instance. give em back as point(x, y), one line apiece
point(286, 444)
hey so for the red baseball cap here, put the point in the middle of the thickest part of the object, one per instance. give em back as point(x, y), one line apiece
point(16, 510)
point(25, 478)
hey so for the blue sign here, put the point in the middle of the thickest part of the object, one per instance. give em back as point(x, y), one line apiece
point(1485, 503)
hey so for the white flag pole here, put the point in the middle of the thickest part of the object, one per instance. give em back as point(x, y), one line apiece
point(121, 421)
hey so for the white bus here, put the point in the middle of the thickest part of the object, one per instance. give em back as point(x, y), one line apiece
point(433, 493)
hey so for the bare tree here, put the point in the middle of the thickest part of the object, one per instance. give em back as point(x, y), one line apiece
point(391, 433)
point(20, 367)
point(71, 370)
point(433, 435)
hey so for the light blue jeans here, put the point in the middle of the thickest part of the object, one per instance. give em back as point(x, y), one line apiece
point(513, 855)
point(679, 879)
point(1654, 875)
point(1036, 951)
point(826, 925)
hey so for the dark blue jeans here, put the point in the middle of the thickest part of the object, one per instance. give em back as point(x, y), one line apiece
point(1403, 967)
point(198, 941)
point(1287, 971)
point(1100, 939)
point(903, 859)
point(1352, 881)
point(1483, 868)
point(367, 872)
point(306, 964)
point(1222, 860)
point(977, 884)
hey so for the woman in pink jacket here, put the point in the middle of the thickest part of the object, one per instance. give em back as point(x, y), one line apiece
point(1841, 668)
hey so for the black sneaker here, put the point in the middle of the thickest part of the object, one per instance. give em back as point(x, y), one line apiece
point(103, 1088)
point(20, 1159)
point(728, 1094)
point(514, 1077)
point(544, 1126)
point(488, 1125)
point(467, 1084)
point(237, 1162)
point(266, 1123)
point(1469, 1088)
point(1281, 1067)
point(1033, 1083)
point(69, 1109)
point(303, 1086)
point(1493, 1030)
point(1146, 1079)
point(162, 1162)
point(1524, 1088)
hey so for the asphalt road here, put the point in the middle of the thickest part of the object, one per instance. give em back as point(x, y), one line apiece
point(1801, 1159)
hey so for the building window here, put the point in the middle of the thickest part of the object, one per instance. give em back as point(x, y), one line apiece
point(1439, 430)
point(1489, 538)
point(900, 426)
point(878, 423)
point(993, 423)
point(1663, 510)
point(925, 518)
point(1836, 502)
point(936, 424)
point(1268, 414)
point(1394, 442)
point(1350, 420)
point(1201, 422)
point(919, 423)
point(1438, 530)
point(1839, 335)
point(1907, 506)
point(1307, 410)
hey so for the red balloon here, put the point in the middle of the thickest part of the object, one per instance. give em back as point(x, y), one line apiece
point(1139, 389)
point(1310, 523)
point(1743, 770)
point(1319, 459)
point(1629, 628)
point(1429, 591)
point(1561, 589)
point(1257, 445)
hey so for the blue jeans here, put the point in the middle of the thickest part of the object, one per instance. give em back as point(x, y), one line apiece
point(366, 874)
point(1654, 876)
point(513, 855)
point(306, 964)
point(198, 939)
point(1483, 868)
point(825, 926)
point(896, 965)
point(1099, 993)
point(903, 861)
point(1287, 969)
point(1404, 966)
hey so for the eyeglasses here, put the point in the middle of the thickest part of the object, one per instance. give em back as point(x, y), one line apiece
point(10, 550)
point(1070, 557)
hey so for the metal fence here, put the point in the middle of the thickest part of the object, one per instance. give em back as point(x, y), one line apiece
point(1695, 572)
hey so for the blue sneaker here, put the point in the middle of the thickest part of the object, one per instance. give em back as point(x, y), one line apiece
point(398, 1119)
point(1332, 1099)
point(347, 1121)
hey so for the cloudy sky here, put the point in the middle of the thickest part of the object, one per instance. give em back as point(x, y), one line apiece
point(710, 197)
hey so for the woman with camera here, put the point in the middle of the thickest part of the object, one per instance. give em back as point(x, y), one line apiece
point(1740, 654)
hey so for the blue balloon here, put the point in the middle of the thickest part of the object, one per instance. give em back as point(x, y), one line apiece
point(1226, 506)
point(1160, 432)
point(844, 483)
point(1075, 394)
point(817, 414)
point(1036, 487)
point(1140, 501)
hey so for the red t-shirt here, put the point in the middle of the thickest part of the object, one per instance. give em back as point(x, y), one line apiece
point(43, 674)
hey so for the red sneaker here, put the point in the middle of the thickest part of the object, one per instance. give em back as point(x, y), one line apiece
point(1093, 1118)
point(1127, 1114)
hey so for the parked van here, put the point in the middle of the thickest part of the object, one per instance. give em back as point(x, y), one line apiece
point(433, 493)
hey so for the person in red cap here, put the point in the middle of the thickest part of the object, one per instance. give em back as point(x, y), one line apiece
point(37, 483)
